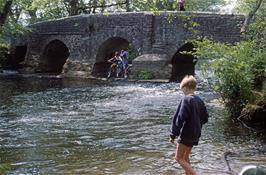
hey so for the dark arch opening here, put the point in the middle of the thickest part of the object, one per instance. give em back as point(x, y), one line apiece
point(105, 52)
point(16, 57)
point(54, 57)
point(183, 63)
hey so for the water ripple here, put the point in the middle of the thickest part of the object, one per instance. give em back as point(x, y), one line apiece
point(112, 128)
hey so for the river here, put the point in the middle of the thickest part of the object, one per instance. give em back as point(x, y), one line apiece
point(62, 126)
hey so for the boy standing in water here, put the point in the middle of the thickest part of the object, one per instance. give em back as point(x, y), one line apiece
point(191, 114)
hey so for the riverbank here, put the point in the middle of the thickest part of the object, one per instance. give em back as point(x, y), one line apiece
point(254, 114)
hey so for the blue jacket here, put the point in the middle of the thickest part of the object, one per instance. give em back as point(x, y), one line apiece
point(191, 114)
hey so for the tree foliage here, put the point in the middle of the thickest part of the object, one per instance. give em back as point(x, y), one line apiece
point(50, 9)
point(25, 12)
point(5, 9)
point(239, 68)
point(257, 28)
point(236, 68)
point(204, 5)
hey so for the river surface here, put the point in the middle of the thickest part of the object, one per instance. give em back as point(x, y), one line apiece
point(59, 126)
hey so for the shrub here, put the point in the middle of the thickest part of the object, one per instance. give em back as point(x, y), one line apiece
point(3, 54)
point(145, 75)
point(236, 69)
point(132, 53)
point(4, 168)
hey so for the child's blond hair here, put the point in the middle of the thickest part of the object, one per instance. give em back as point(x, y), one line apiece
point(188, 82)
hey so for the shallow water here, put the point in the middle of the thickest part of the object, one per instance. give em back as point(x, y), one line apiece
point(59, 126)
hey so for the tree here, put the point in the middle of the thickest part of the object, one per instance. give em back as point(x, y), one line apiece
point(73, 8)
point(38, 10)
point(240, 68)
point(251, 15)
point(127, 2)
point(4, 12)
point(235, 68)
point(255, 26)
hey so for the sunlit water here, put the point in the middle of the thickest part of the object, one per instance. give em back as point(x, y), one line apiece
point(57, 126)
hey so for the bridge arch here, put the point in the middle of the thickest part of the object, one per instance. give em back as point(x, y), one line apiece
point(106, 51)
point(183, 63)
point(16, 57)
point(54, 57)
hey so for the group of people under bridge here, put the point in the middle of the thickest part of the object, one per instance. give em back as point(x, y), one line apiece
point(119, 64)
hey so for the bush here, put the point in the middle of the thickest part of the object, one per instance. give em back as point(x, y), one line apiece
point(264, 87)
point(3, 54)
point(132, 53)
point(4, 168)
point(145, 75)
point(236, 69)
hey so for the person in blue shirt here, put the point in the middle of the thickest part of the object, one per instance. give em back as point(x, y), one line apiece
point(124, 55)
point(187, 123)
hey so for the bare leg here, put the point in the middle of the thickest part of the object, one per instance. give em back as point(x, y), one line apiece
point(181, 156)
point(187, 157)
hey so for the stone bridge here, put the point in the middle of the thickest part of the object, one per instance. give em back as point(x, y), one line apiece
point(81, 45)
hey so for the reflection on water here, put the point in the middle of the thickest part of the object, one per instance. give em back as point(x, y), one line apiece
point(57, 126)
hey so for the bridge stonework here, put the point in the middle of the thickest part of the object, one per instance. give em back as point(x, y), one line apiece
point(92, 39)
